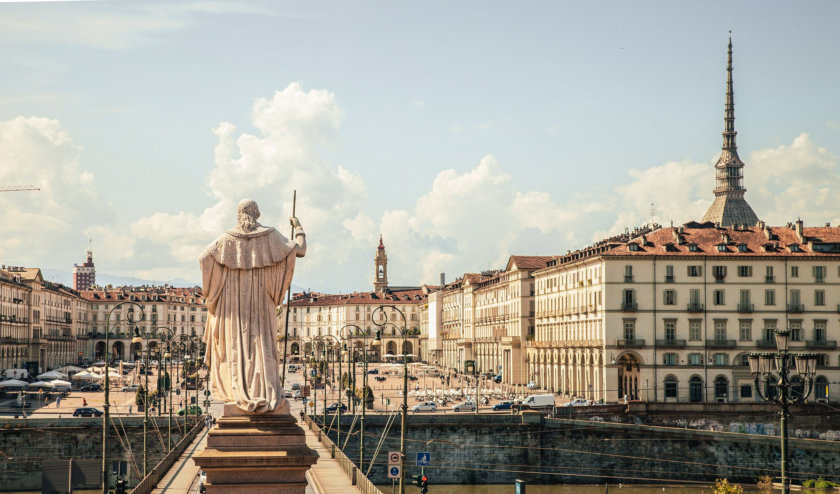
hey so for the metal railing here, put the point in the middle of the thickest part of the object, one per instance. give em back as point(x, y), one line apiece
point(820, 344)
point(670, 343)
point(720, 343)
point(630, 343)
point(694, 307)
point(629, 306)
point(356, 477)
point(151, 480)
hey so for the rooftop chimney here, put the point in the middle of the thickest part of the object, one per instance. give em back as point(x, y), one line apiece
point(442, 279)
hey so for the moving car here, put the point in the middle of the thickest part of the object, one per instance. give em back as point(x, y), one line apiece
point(535, 402)
point(91, 387)
point(296, 394)
point(467, 406)
point(578, 402)
point(288, 393)
point(193, 410)
point(131, 387)
point(295, 386)
point(505, 405)
point(87, 412)
point(426, 406)
point(334, 408)
point(373, 371)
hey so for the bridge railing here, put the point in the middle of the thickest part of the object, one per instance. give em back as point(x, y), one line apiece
point(151, 480)
point(357, 478)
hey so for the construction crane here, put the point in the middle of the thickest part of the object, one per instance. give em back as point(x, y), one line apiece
point(17, 188)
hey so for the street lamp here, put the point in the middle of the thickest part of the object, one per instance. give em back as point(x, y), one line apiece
point(357, 331)
point(106, 415)
point(188, 345)
point(784, 394)
point(168, 336)
point(338, 356)
point(403, 331)
point(138, 338)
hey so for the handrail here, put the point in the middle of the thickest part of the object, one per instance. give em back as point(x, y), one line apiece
point(357, 478)
point(151, 480)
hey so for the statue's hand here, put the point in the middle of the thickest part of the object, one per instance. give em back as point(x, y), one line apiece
point(295, 222)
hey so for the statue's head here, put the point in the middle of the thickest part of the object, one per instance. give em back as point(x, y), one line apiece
point(247, 214)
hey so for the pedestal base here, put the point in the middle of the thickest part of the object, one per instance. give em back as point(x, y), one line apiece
point(256, 453)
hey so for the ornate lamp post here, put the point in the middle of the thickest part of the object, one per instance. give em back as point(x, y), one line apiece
point(138, 338)
point(188, 344)
point(338, 357)
point(772, 369)
point(357, 331)
point(106, 415)
point(323, 363)
point(403, 331)
point(168, 336)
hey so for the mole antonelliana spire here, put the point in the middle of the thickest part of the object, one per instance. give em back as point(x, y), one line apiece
point(729, 207)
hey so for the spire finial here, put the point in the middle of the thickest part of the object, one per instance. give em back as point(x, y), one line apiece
point(729, 106)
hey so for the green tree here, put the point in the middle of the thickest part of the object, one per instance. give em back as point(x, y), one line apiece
point(164, 382)
point(140, 397)
point(722, 486)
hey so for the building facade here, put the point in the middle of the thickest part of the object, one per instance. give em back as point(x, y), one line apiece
point(84, 276)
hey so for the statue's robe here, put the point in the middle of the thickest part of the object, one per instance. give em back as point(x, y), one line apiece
point(245, 276)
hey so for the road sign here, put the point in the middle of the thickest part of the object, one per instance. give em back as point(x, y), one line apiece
point(423, 459)
point(393, 457)
point(394, 472)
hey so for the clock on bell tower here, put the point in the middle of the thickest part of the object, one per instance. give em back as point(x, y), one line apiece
point(380, 262)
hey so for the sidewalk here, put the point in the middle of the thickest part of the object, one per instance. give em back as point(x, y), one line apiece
point(326, 476)
point(182, 478)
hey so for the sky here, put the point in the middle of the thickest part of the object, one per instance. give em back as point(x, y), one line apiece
point(463, 132)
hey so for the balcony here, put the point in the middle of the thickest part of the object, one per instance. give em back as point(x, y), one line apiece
point(670, 343)
point(669, 279)
point(795, 308)
point(768, 344)
point(629, 306)
point(628, 278)
point(821, 344)
point(630, 343)
point(770, 279)
point(694, 307)
point(746, 308)
point(720, 344)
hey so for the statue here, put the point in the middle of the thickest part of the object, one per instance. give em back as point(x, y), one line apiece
point(245, 274)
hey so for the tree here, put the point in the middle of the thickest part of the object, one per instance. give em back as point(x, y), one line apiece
point(724, 487)
point(140, 397)
point(164, 382)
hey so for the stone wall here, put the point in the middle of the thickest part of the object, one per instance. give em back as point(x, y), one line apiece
point(477, 449)
point(28, 444)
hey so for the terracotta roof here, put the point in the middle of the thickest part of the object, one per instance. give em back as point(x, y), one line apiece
point(529, 262)
point(358, 298)
point(145, 294)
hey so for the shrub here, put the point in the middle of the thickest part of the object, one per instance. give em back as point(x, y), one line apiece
point(722, 486)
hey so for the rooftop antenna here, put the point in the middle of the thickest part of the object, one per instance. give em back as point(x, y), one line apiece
point(652, 212)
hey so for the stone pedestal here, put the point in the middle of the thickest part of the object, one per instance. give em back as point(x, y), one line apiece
point(256, 453)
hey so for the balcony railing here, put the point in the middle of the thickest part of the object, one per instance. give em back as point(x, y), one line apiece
point(628, 278)
point(820, 344)
point(745, 307)
point(669, 279)
point(629, 306)
point(795, 308)
point(766, 344)
point(670, 343)
point(630, 343)
point(720, 343)
point(769, 279)
point(694, 307)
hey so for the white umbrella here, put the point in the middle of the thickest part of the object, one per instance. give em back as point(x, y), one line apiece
point(40, 384)
point(59, 384)
point(69, 368)
point(52, 375)
point(85, 375)
point(12, 383)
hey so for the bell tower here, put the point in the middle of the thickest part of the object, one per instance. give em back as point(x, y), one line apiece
point(380, 264)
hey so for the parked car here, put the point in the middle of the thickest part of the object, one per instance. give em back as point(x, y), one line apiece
point(334, 408)
point(579, 402)
point(531, 385)
point(373, 371)
point(87, 412)
point(497, 378)
point(288, 393)
point(91, 388)
point(535, 402)
point(467, 406)
point(380, 378)
point(297, 394)
point(193, 410)
point(505, 405)
point(131, 387)
point(426, 406)
point(17, 404)
point(412, 378)
point(295, 386)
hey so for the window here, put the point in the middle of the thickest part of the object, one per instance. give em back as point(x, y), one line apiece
point(694, 271)
point(819, 274)
point(694, 330)
point(719, 298)
point(721, 359)
point(629, 302)
point(629, 329)
point(746, 391)
point(669, 359)
point(819, 297)
point(720, 330)
point(768, 274)
point(669, 297)
point(769, 330)
point(692, 247)
point(745, 330)
point(794, 271)
point(719, 272)
point(695, 359)
point(770, 297)
point(795, 299)
point(670, 387)
point(795, 330)
point(721, 247)
point(628, 273)
point(669, 274)
point(744, 271)
point(819, 330)
point(634, 247)
point(670, 330)
point(694, 299)
point(744, 299)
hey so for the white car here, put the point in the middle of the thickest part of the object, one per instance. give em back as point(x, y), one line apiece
point(467, 406)
point(578, 402)
point(131, 387)
point(296, 394)
point(426, 406)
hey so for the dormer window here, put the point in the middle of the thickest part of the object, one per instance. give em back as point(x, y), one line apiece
point(794, 248)
point(742, 248)
point(721, 247)
point(634, 247)
point(692, 247)
point(670, 247)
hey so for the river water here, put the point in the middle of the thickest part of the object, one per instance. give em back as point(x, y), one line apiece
point(564, 489)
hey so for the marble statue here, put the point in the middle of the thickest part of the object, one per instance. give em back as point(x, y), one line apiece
point(245, 274)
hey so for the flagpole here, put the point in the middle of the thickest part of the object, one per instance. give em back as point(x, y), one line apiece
point(288, 299)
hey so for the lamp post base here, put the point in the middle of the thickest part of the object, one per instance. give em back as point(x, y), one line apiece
point(256, 453)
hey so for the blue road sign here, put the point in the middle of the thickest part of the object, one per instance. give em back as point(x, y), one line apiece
point(423, 459)
point(394, 472)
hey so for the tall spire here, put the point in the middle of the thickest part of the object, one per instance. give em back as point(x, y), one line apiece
point(729, 207)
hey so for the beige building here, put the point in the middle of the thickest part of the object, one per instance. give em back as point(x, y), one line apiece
point(15, 327)
point(671, 314)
